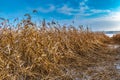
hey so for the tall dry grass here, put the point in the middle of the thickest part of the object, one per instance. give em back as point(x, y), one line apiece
point(49, 53)
point(116, 38)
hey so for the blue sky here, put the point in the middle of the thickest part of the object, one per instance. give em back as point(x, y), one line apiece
point(97, 14)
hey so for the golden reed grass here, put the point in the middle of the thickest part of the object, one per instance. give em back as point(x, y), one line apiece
point(32, 53)
point(116, 38)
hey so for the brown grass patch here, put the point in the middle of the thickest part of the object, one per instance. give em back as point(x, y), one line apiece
point(32, 53)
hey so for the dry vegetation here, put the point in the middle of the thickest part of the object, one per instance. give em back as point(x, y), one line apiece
point(116, 38)
point(53, 53)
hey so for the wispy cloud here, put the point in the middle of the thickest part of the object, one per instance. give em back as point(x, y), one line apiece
point(112, 16)
point(83, 6)
point(46, 10)
point(105, 23)
point(100, 11)
point(67, 10)
point(82, 10)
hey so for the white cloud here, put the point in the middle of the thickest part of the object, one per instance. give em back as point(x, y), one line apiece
point(66, 10)
point(82, 10)
point(46, 10)
point(83, 2)
point(112, 16)
point(110, 22)
point(104, 23)
point(100, 11)
point(83, 7)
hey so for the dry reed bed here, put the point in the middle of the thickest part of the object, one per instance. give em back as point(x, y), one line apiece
point(31, 53)
point(116, 38)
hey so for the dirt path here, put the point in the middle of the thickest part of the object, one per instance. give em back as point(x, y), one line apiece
point(106, 70)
